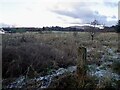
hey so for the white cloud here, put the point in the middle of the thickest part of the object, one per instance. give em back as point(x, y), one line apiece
point(40, 12)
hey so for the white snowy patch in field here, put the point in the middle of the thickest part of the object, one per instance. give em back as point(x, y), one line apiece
point(101, 73)
point(18, 83)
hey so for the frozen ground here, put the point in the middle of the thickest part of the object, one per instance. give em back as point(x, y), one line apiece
point(100, 72)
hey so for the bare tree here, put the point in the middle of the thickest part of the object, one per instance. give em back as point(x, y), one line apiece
point(94, 29)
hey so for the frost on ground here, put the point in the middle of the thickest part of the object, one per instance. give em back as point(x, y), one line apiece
point(100, 72)
point(104, 70)
point(18, 83)
point(44, 81)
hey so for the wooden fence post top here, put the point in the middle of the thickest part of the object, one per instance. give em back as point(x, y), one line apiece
point(81, 58)
point(81, 65)
point(81, 47)
point(81, 50)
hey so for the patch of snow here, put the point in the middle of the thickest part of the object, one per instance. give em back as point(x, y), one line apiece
point(115, 56)
point(89, 49)
point(60, 71)
point(39, 78)
point(72, 69)
point(17, 83)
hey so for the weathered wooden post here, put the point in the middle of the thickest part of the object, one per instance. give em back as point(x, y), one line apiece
point(81, 66)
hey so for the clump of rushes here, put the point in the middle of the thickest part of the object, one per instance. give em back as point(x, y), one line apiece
point(116, 66)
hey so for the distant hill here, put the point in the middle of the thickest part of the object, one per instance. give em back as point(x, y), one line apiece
point(86, 27)
point(57, 28)
point(98, 28)
point(2, 25)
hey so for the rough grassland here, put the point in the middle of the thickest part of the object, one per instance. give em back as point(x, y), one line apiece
point(51, 50)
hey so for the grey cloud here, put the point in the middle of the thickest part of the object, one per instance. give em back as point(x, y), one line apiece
point(111, 4)
point(114, 17)
point(85, 14)
point(82, 13)
point(109, 23)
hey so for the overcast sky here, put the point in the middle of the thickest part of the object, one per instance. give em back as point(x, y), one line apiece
point(39, 13)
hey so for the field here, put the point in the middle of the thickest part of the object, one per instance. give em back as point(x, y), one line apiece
point(47, 53)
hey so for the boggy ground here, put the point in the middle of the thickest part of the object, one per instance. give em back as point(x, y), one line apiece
point(50, 51)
